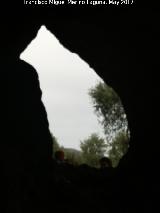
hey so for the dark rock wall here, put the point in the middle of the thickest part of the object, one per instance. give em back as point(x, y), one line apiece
point(121, 46)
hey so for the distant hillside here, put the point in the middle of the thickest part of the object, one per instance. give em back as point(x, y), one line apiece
point(73, 155)
point(72, 150)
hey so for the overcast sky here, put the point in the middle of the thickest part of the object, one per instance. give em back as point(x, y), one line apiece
point(64, 79)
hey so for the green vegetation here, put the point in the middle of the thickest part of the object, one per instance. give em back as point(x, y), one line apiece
point(93, 148)
point(111, 115)
point(119, 147)
point(109, 109)
point(73, 156)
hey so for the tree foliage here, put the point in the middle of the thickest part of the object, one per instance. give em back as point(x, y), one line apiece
point(112, 117)
point(109, 109)
point(93, 148)
point(119, 147)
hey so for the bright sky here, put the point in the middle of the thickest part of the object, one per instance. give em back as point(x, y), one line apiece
point(65, 80)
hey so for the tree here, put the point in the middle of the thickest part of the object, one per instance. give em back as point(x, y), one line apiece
point(112, 117)
point(93, 148)
point(119, 147)
point(109, 109)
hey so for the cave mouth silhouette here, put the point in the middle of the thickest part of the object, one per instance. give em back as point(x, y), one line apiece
point(58, 70)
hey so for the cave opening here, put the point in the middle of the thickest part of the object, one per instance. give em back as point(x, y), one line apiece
point(75, 117)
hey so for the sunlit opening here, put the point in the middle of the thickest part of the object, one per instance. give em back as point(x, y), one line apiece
point(66, 82)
